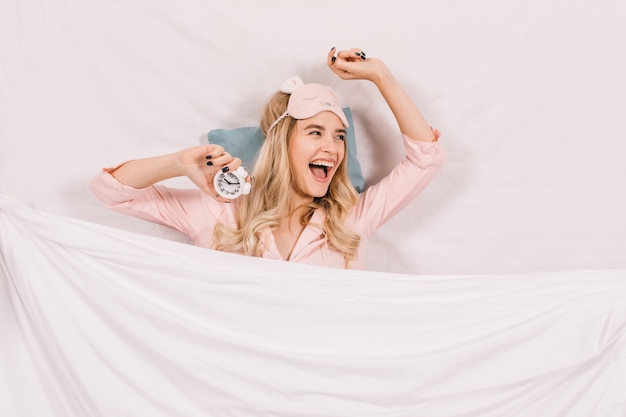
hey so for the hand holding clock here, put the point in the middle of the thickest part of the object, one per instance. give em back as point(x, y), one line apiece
point(215, 172)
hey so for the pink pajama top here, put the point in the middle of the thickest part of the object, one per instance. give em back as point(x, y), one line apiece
point(195, 213)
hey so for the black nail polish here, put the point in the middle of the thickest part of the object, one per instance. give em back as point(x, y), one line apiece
point(208, 157)
point(209, 163)
point(225, 169)
point(363, 58)
point(332, 49)
point(333, 59)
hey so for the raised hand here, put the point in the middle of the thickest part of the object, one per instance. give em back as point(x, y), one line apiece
point(353, 64)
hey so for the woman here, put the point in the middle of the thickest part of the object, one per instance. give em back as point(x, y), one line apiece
point(302, 207)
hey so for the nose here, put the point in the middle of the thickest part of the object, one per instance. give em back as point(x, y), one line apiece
point(327, 144)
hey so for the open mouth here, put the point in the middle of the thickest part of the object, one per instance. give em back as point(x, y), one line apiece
point(320, 169)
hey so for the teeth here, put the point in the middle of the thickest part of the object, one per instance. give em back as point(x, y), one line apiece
point(323, 163)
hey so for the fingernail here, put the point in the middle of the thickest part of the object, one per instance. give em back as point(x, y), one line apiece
point(332, 49)
point(333, 59)
point(209, 163)
point(357, 53)
point(208, 157)
point(363, 57)
point(225, 169)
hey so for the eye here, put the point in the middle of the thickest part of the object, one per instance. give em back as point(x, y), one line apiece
point(315, 132)
point(341, 137)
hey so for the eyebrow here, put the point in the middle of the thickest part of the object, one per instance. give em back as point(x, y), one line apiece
point(320, 127)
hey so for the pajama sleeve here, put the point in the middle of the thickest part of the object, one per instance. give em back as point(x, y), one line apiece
point(380, 202)
point(186, 210)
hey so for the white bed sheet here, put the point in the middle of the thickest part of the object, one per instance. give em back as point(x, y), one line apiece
point(530, 97)
point(99, 322)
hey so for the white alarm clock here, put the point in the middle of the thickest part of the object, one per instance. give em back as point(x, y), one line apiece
point(232, 184)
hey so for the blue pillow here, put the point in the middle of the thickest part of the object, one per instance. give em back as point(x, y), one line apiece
point(245, 142)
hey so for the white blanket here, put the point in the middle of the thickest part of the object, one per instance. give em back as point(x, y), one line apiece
point(102, 322)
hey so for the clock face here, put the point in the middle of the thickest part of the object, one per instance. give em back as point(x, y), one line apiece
point(231, 185)
point(228, 184)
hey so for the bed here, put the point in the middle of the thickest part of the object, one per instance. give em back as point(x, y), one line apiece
point(500, 291)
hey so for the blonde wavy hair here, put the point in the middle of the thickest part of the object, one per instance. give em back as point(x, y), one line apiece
point(269, 201)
